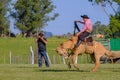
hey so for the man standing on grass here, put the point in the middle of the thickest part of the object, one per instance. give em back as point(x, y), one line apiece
point(42, 41)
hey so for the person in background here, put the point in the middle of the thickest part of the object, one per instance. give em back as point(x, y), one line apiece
point(42, 41)
point(86, 30)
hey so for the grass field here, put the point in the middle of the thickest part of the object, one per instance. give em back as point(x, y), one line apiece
point(59, 72)
point(17, 46)
point(20, 47)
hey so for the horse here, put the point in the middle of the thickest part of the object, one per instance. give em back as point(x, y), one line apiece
point(99, 36)
point(88, 46)
point(65, 48)
point(96, 52)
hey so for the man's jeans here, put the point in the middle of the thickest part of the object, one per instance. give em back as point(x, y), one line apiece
point(44, 55)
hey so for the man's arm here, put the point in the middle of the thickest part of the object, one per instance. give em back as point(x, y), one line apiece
point(43, 39)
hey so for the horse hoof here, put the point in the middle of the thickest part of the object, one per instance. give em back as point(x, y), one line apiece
point(93, 70)
point(77, 68)
point(69, 66)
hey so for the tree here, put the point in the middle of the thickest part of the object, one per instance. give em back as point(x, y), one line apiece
point(32, 15)
point(115, 22)
point(4, 23)
point(103, 3)
point(113, 29)
point(117, 1)
point(98, 28)
point(115, 26)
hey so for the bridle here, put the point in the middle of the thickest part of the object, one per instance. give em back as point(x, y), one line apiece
point(76, 27)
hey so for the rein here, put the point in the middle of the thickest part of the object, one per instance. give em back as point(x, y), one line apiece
point(76, 27)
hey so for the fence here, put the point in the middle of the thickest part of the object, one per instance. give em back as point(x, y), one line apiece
point(15, 59)
point(105, 42)
point(32, 59)
point(112, 44)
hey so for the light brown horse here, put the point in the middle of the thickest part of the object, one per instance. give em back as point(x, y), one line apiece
point(96, 51)
point(65, 48)
point(69, 44)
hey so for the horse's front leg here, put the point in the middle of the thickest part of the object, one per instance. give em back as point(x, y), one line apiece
point(68, 63)
point(68, 60)
point(97, 63)
point(74, 60)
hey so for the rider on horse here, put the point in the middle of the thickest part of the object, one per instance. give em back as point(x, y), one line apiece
point(87, 28)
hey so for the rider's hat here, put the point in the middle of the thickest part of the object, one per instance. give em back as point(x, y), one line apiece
point(84, 16)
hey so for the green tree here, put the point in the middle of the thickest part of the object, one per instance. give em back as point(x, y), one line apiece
point(113, 29)
point(32, 15)
point(115, 26)
point(117, 1)
point(103, 4)
point(4, 23)
point(98, 28)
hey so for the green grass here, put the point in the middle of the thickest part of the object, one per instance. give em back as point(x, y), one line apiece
point(20, 50)
point(17, 46)
point(59, 72)
point(20, 47)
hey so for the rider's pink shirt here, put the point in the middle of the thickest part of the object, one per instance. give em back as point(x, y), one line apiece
point(87, 25)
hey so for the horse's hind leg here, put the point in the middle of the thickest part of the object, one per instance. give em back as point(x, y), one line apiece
point(74, 58)
point(97, 63)
point(92, 57)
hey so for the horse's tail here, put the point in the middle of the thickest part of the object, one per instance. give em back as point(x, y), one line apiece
point(108, 53)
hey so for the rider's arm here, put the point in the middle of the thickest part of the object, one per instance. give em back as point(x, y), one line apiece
point(80, 21)
point(83, 29)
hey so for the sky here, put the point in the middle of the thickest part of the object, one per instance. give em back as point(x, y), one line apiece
point(71, 10)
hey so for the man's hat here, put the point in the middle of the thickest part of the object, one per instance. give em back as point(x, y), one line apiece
point(84, 16)
point(41, 34)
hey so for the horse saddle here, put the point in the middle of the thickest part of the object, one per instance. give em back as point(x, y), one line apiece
point(88, 40)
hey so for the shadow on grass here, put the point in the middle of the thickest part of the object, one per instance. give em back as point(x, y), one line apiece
point(60, 70)
point(37, 69)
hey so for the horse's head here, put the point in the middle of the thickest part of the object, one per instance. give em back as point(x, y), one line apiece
point(62, 52)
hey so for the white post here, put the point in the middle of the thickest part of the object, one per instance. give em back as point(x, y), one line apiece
point(32, 55)
point(63, 60)
point(48, 58)
point(109, 46)
point(76, 60)
point(10, 57)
